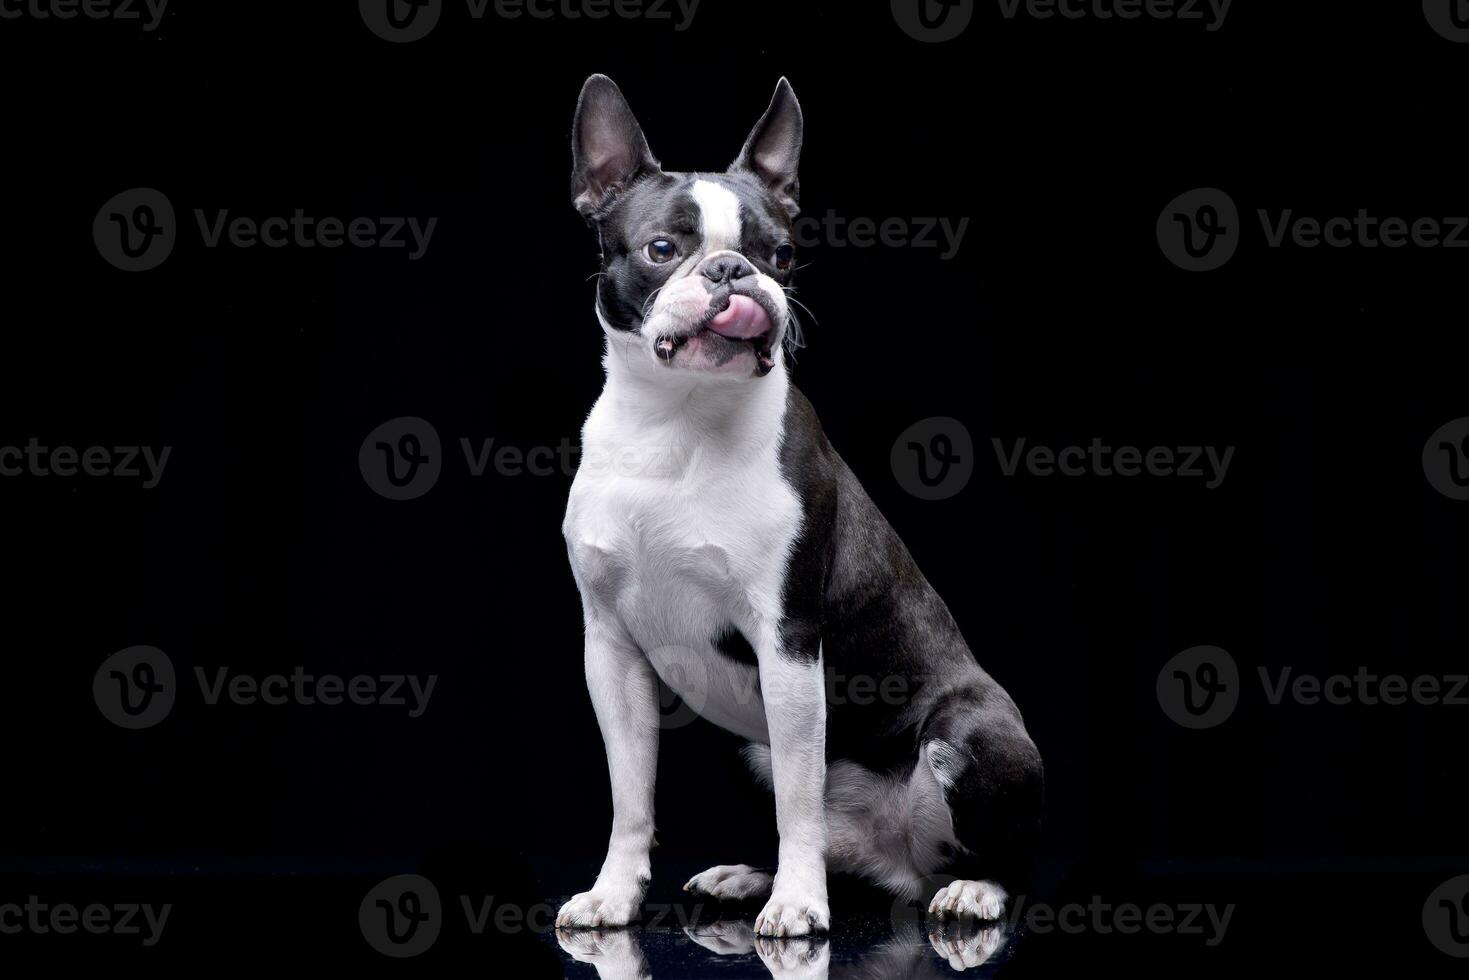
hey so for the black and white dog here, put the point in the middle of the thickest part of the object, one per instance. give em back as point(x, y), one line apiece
point(750, 551)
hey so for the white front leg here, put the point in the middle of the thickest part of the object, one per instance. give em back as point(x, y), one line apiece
point(794, 692)
point(624, 692)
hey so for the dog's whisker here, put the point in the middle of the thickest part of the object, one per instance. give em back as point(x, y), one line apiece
point(803, 306)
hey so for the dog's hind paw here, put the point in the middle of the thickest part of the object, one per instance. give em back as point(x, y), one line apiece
point(983, 900)
point(731, 882)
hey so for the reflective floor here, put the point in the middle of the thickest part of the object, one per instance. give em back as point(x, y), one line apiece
point(859, 949)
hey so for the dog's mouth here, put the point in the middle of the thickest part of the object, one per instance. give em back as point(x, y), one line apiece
point(743, 322)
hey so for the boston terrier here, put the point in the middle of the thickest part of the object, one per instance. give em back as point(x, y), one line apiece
point(721, 544)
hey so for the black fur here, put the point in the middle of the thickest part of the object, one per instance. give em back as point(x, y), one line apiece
point(854, 593)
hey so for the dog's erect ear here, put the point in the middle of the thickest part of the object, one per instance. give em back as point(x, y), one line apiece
point(608, 150)
point(773, 151)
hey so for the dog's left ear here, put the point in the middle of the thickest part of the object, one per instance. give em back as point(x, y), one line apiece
point(773, 151)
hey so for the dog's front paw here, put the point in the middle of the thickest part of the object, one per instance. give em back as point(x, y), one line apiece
point(794, 911)
point(599, 908)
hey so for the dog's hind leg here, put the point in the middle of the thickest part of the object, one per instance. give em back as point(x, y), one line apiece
point(976, 747)
point(893, 829)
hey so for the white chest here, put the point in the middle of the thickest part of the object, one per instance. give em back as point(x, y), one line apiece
point(678, 545)
point(679, 557)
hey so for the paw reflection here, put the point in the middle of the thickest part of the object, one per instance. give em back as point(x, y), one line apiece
point(966, 943)
point(800, 958)
point(615, 953)
point(727, 938)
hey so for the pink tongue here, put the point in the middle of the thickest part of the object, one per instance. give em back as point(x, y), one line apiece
point(744, 319)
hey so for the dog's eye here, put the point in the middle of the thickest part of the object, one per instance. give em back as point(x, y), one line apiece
point(785, 256)
point(660, 250)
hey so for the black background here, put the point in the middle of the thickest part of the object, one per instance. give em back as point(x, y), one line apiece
point(1059, 320)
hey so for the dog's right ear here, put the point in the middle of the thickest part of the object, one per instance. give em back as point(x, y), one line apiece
point(608, 150)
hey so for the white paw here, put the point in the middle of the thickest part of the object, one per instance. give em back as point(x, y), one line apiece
point(965, 943)
point(808, 958)
point(983, 900)
point(731, 882)
point(598, 908)
point(794, 912)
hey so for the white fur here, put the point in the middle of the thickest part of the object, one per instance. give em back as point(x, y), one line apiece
point(719, 216)
point(983, 900)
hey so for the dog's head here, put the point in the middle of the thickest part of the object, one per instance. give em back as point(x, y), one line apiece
point(695, 266)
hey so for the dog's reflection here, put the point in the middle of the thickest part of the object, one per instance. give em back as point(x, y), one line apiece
point(615, 953)
point(914, 952)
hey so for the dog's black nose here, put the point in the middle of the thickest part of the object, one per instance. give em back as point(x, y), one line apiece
point(727, 268)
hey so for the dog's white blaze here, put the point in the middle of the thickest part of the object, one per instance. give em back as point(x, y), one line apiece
point(719, 216)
